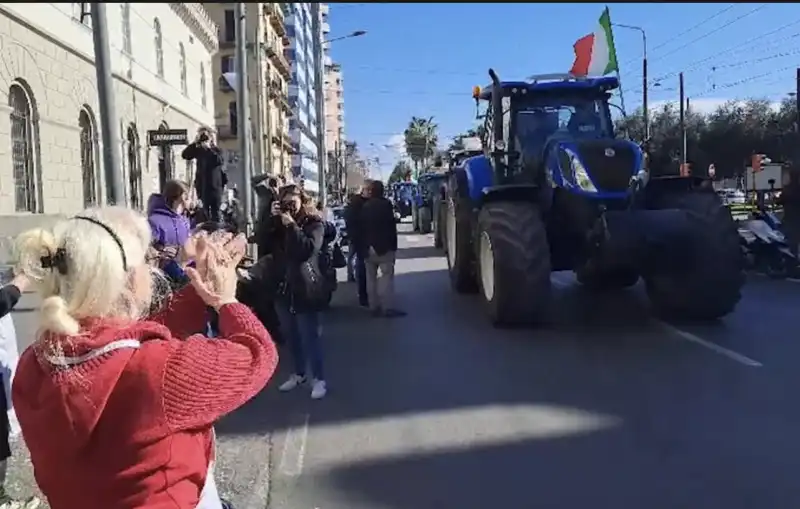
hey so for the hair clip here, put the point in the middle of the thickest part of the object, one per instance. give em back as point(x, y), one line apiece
point(57, 260)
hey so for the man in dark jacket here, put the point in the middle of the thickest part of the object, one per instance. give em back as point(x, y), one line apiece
point(210, 178)
point(379, 237)
point(352, 220)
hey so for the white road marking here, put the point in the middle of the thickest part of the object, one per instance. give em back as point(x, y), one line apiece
point(688, 336)
point(692, 338)
point(294, 449)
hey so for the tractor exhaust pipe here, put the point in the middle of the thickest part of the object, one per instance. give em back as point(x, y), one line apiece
point(497, 122)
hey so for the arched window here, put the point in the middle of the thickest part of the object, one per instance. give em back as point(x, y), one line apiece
point(88, 146)
point(159, 48)
point(134, 168)
point(23, 130)
point(184, 85)
point(127, 42)
point(203, 98)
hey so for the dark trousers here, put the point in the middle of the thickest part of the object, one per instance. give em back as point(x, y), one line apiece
point(361, 280)
point(212, 201)
point(5, 427)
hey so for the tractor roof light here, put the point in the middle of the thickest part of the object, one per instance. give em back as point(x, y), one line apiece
point(476, 92)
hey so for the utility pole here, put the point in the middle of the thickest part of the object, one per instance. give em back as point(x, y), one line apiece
point(682, 118)
point(112, 160)
point(319, 93)
point(797, 101)
point(645, 110)
point(242, 109)
point(255, 49)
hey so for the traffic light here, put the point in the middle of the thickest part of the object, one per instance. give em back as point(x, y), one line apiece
point(757, 162)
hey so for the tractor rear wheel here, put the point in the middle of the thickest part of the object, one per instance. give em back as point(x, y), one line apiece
point(710, 287)
point(459, 237)
point(513, 263)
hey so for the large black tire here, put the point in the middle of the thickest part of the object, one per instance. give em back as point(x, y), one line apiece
point(520, 263)
point(460, 256)
point(424, 218)
point(617, 279)
point(438, 226)
point(711, 285)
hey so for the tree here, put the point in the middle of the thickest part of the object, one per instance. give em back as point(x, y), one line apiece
point(420, 138)
point(726, 137)
point(400, 172)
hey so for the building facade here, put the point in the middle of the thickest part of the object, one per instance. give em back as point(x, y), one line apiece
point(334, 125)
point(49, 134)
point(268, 76)
point(304, 28)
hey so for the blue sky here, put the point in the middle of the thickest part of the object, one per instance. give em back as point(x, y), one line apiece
point(424, 59)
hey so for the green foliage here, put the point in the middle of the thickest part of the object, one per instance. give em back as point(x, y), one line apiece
point(400, 172)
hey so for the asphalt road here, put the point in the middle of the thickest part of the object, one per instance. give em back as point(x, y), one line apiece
point(606, 407)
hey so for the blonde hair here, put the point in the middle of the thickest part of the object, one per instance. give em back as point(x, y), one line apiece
point(97, 280)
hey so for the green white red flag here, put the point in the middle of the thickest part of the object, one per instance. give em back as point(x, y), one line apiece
point(595, 54)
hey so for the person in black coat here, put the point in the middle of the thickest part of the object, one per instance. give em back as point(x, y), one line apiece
point(210, 178)
point(294, 238)
point(379, 238)
point(354, 227)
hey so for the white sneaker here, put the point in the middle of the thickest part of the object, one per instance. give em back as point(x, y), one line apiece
point(318, 389)
point(292, 383)
point(31, 503)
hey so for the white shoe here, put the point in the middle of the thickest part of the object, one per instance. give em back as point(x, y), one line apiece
point(318, 389)
point(31, 503)
point(292, 383)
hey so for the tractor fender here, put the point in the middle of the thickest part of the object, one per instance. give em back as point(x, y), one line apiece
point(480, 175)
point(511, 193)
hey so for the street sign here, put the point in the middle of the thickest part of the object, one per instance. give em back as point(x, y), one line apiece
point(162, 137)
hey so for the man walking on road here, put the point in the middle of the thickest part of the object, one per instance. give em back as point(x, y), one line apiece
point(355, 234)
point(380, 240)
point(210, 178)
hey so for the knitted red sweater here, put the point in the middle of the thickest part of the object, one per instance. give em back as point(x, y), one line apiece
point(131, 428)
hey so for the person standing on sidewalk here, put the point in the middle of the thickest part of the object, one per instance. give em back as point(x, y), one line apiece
point(9, 296)
point(355, 234)
point(380, 241)
point(210, 178)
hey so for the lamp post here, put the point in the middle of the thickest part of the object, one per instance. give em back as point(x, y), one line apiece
point(644, 75)
point(319, 93)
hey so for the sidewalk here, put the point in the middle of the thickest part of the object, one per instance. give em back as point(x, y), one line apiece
point(13, 225)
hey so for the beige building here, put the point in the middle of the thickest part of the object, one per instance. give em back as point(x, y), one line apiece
point(49, 132)
point(334, 124)
point(268, 75)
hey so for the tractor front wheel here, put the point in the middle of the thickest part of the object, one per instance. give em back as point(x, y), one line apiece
point(513, 263)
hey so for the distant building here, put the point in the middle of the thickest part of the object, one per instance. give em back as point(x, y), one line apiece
point(161, 63)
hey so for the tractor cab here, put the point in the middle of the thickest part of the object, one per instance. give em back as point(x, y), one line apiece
point(556, 130)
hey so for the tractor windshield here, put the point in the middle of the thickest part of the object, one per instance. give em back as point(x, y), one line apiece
point(576, 117)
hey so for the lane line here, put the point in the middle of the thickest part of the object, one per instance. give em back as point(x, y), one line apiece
point(294, 449)
point(692, 338)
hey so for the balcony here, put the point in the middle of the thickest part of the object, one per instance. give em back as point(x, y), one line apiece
point(276, 18)
point(275, 52)
point(226, 132)
point(324, 9)
point(326, 28)
point(223, 85)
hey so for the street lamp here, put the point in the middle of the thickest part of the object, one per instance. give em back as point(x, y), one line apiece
point(644, 75)
point(319, 93)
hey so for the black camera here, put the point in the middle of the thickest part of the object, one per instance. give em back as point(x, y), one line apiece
point(287, 206)
point(203, 137)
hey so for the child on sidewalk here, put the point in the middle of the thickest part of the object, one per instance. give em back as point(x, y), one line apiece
point(9, 296)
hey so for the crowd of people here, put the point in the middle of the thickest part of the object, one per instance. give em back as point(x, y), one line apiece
point(146, 335)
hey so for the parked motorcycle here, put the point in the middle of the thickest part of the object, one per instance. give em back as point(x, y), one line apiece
point(765, 247)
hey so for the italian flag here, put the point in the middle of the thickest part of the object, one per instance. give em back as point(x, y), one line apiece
point(595, 54)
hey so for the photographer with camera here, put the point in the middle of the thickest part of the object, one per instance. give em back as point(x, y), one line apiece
point(210, 178)
point(294, 240)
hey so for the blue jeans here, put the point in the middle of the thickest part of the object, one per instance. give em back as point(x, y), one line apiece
point(302, 332)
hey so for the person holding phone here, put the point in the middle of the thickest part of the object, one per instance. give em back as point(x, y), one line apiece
point(210, 178)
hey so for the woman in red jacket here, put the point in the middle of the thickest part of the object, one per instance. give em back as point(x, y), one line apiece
point(116, 409)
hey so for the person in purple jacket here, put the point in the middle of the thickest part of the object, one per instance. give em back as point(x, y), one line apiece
point(165, 213)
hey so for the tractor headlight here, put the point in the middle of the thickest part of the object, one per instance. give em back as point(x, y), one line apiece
point(581, 176)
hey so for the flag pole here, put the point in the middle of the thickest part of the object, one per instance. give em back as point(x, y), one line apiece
point(613, 48)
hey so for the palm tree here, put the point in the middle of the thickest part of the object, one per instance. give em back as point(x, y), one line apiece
point(420, 140)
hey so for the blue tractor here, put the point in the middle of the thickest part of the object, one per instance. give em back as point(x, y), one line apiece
point(556, 190)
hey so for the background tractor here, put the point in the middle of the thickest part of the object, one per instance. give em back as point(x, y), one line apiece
point(430, 185)
point(472, 147)
point(402, 195)
point(556, 190)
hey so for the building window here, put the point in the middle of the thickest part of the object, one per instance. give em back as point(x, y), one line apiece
point(227, 64)
point(23, 129)
point(134, 168)
point(159, 48)
point(127, 45)
point(203, 97)
point(233, 118)
point(184, 84)
point(88, 145)
point(81, 13)
point(230, 26)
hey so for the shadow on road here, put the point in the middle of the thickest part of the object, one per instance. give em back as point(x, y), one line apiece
point(418, 252)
